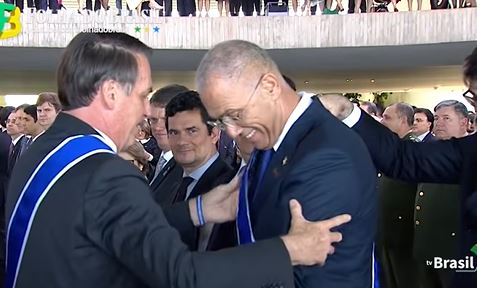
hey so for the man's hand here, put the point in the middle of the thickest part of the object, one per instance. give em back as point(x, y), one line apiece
point(310, 243)
point(337, 104)
point(219, 204)
point(138, 152)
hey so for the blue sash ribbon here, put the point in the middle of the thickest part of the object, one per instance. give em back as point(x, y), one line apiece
point(244, 225)
point(67, 154)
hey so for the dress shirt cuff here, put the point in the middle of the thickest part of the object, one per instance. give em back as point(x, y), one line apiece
point(353, 118)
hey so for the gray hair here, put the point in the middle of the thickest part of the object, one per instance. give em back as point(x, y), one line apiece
point(405, 110)
point(371, 107)
point(459, 107)
point(229, 59)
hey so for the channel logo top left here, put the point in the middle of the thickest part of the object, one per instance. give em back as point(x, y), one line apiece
point(10, 25)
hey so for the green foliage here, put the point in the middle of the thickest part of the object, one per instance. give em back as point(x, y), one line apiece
point(353, 97)
point(380, 98)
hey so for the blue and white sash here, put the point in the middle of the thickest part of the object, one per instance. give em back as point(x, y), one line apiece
point(67, 154)
point(244, 225)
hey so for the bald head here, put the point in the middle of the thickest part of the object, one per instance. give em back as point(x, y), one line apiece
point(231, 60)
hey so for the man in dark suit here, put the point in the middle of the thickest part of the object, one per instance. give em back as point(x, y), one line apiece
point(85, 217)
point(423, 124)
point(5, 149)
point(452, 161)
point(302, 152)
point(157, 120)
point(19, 140)
point(193, 143)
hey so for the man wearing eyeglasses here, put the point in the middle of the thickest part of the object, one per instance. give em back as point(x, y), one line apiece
point(452, 161)
point(302, 152)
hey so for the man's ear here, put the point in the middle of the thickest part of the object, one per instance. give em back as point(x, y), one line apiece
point(215, 135)
point(108, 92)
point(271, 86)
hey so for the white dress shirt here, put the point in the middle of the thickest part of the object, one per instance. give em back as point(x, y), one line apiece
point(304, 103)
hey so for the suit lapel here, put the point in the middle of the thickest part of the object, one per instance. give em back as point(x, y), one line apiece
point(163, 173)
point(206, 182)
point(283, 158)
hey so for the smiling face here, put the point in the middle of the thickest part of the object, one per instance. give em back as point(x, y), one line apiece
point(190, 141)
point(253, 107)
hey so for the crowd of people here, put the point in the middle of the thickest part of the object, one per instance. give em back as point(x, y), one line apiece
point(235, 7)
point(241, 183)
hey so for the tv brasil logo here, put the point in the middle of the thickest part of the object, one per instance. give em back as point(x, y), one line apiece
point(9, 14)
point(459, 265)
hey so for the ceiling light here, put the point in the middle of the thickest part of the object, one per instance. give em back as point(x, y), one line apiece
point(307, 82)
point(372, 80)
point(349, 80)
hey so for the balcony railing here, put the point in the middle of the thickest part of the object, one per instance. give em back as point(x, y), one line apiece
point(354, 30)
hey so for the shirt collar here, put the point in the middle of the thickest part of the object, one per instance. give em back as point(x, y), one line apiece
point(15, 141)
point(108, 141)
point(304, 103)
point(36, 137)
point(197, 173)
point(144, 141)
point(167, 155)
point(422, 136)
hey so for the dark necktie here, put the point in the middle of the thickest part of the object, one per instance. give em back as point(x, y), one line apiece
point(182, 191)
point(10, 151)
point(11, 159)
point(160, 164)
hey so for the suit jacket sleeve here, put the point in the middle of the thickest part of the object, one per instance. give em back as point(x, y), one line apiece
point(438, 161)
point(179, 217)
point(122, 218)
point(326, 184)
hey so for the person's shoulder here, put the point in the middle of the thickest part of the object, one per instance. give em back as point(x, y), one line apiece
point(113, 164)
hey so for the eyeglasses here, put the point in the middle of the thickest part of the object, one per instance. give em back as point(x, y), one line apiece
point(233, 118)
point(470, 96)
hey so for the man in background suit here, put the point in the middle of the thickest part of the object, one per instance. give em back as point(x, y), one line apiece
point(5, 149)
point(302, 152)
point(423, 124)
point(451, 161)
point(396, 211)
point(104, 229)
point(157, 119)
point(193, 143)
point(19, 140)
point(48, 106)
